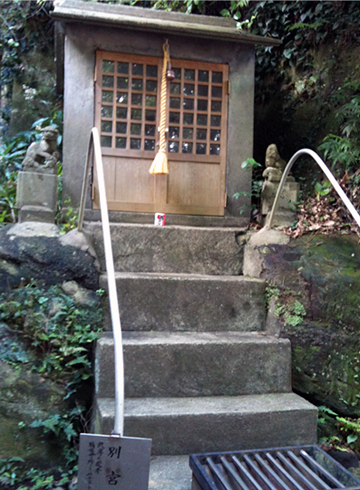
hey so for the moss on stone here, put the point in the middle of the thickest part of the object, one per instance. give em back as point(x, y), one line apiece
point(325, 271)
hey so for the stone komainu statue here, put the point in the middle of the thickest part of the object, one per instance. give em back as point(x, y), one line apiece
point(42, 156)
point(275, 165)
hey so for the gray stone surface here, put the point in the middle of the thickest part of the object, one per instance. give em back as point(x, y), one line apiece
point(31, 229)
point(288, 198)
point(170, 473)
point(149, 248)
point(191, 425)
point(37, 189)
point(282, 219)
point(258, 246)
point(37, 196)
point(183, 364)
point(178, 302)
point(36, 213)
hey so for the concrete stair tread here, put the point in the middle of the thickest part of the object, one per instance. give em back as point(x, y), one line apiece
point(186, 275)
point(97, 224)
point(246, 404)
point(155, 337)
point(170, 473)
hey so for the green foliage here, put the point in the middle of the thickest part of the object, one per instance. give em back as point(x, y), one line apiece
point(293, 315)
point(350, 429)
point(69, 221)
point(52, 336)
point(57, 333)
point(343, 150)
point(15, 474)
point(291, 310)
point(340, 432)
point(25, 26)
point(253, 166)
point(271, 291)
point(322, 189)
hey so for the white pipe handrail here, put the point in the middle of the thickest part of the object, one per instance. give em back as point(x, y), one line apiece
point(329, 175)
point(94, 144)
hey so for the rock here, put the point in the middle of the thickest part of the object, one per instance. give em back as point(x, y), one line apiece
point(347, 459)
point(36, 251)
point(258, 246)
point(79, 294)
point(70, 288)
point(25, 397)
point(33, 228)
point(323, 274)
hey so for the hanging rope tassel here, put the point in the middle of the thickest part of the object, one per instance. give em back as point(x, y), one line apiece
point(160, 163)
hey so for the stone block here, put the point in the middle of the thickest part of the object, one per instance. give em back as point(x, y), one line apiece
point(209, 424)
point(36, 214)
point(195, 364)
point(38, 194)
point(289, 196)
point(180, 302)
point(149, 248)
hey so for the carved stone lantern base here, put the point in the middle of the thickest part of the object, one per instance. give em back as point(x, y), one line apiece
point(37, 196)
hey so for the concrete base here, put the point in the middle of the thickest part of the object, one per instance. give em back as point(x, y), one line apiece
point(289, 195)
point(283, 219)
point(183, 364)
point(189, 302)
point(171, 219)
point(37, 196)
point(209, 424)
point(36, 213)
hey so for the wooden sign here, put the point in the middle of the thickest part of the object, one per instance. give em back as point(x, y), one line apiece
point(113, 462)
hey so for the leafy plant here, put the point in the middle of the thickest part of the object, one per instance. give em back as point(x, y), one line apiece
point(68, 221)
point(350, 428)
point(291, 311)
point(342, 433)
point(58, 332)
point(53, 336)
point(322, 189)
point(252, 165)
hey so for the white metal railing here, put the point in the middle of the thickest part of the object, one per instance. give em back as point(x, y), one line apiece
point(95, 148)
point(328, 174)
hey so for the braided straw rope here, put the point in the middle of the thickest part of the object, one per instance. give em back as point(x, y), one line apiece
point(160, 163)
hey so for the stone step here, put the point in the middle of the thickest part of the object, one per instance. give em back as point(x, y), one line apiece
point(170, 473)
point(183, 364)
point(207, 424)
point(149, 248)
point(184, 302)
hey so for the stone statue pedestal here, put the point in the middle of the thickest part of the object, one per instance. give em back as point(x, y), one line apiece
point(37, 196)
point(284, 215)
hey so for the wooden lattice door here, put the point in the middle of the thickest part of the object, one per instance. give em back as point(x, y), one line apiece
point(127, 97)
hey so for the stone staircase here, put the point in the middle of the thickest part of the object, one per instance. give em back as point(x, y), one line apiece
point(201, 372)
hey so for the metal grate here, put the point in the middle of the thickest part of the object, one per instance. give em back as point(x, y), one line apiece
point(292, 468)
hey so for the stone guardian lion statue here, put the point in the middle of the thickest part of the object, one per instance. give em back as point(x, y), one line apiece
point(42, 156)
